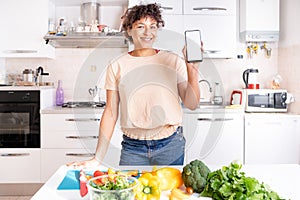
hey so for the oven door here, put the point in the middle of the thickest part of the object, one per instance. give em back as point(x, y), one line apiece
point(19, 125)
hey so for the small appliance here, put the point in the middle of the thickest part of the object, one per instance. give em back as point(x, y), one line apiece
point(261, 100)
point(250, 78)
point(266, 100)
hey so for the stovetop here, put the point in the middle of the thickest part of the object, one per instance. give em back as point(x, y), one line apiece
point(83, 104)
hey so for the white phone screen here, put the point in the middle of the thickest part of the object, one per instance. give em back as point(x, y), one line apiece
point(193, 45)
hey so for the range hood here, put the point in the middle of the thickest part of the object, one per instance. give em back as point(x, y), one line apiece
point(88, 40)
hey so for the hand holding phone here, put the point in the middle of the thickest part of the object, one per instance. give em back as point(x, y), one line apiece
point(193, 46)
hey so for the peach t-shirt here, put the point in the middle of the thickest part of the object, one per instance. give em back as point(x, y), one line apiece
point(149, 100)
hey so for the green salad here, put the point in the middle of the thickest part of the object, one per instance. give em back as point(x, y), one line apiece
point(112, 187)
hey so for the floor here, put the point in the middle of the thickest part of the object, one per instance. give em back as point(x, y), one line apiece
point(15, 197)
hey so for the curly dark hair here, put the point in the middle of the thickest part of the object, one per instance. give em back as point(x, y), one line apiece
point(140, 11)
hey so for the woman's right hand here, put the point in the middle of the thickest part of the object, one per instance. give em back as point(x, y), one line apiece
point(92, 163)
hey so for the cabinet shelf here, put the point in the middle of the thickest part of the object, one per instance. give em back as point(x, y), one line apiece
point(87, 40)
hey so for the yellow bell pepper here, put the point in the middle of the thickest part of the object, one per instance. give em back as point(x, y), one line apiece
point(169, 178)
point(148, 188)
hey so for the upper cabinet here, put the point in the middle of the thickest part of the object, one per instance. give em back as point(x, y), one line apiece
point(169, 7)
point(23, 25)
point(216, 19)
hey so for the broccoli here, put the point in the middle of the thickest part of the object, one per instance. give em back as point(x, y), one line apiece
point(194, 175)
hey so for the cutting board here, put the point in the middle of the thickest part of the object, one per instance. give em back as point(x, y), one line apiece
point(71, 180)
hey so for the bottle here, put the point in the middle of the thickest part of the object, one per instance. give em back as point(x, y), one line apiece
point(218, 99)
point(59, 94)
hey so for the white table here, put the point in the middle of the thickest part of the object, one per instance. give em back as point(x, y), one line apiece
point(283, 179)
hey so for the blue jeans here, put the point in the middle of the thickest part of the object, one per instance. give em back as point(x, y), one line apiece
point(167, 151)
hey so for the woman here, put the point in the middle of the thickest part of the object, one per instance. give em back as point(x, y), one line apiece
point(146, 85)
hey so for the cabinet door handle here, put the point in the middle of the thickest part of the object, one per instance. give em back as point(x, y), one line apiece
point(80, 154)
point(20, 51)
point(209, 8)
point(82, 119)
point(211, 51)
point(14, 154)
point(82, 137)
point(214, 119)
point(167, 8)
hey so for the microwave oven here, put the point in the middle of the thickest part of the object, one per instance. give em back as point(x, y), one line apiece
point(265, 100)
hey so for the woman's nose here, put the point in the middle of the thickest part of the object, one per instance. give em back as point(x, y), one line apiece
point(147, 30)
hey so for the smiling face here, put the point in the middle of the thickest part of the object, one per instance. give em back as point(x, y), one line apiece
point(143, 32)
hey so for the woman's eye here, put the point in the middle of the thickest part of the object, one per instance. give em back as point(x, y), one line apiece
point(153, 27)
point(140, 27)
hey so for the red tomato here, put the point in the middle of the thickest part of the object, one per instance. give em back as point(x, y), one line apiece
point(98, 173)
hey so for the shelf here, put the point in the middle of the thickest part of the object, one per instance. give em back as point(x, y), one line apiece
point(87, 40)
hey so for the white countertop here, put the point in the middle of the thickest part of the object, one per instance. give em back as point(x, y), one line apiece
point(283, 179)
point(61, 110)
point(22, 88)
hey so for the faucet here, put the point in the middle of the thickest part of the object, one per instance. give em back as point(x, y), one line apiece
point(209, 86)
point(206, 81)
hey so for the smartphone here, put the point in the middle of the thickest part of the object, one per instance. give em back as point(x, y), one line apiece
point(193, 46)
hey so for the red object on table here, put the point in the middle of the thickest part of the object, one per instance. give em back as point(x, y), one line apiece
point(83, 180)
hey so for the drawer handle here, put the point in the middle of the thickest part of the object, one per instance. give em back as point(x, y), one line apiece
point(215, 119)
point(82, 137)
point(19, 51)
point(209, 8)
point(82, 119)
point(14, 154)
point(80, 154)
point(211, 51)
point(167, 8)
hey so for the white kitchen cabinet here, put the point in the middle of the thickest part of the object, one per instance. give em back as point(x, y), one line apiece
point(73, 137)
point(271, 139)
point(214, 138)
point(168, 6)
point(20, 165)
point(217, 22)
point(23, 26)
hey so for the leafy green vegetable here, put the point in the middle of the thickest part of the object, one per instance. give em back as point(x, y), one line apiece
point(229, 183)
point(194, 175)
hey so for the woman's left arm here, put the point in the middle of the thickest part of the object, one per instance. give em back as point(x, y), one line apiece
point(189, 91)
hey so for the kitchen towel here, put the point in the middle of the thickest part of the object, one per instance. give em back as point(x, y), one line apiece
point(71, 180)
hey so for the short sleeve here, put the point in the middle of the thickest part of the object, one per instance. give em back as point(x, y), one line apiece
point(181, 70)
point(110, 80)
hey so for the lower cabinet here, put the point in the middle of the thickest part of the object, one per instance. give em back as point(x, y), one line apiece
point(272, 139)
point(214, 138)
point(68, 137)
point(20, 165)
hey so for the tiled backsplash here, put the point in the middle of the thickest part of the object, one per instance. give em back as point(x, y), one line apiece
point(81, 69)
point(289, 69)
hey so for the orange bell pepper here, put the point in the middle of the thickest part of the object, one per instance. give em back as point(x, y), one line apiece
point(169, 178)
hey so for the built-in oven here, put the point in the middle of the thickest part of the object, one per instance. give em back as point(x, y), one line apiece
point(20, 119)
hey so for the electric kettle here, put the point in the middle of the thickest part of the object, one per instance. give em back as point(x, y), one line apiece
point(250, 78)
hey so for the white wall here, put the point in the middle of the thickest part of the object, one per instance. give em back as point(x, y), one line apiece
point(289, 48)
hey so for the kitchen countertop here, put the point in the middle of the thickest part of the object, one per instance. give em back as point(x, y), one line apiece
point(61, 110)
point(282, 178)
point(8, 88)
